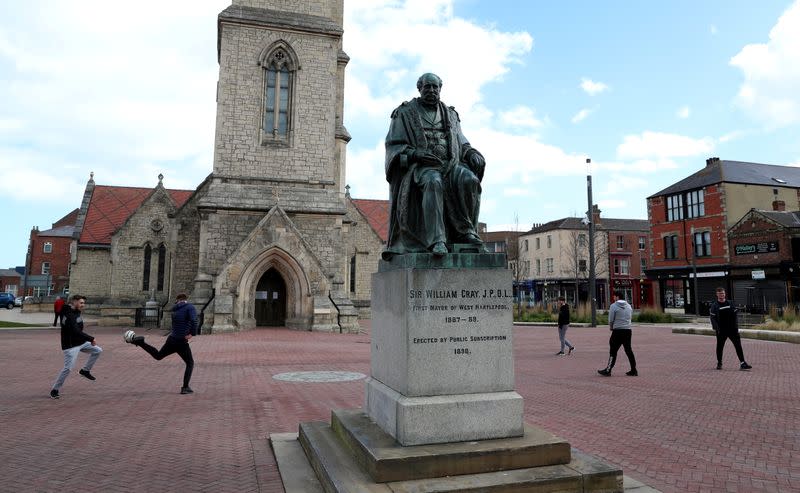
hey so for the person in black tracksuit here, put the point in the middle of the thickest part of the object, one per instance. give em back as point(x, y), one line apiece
point(184, 327)
point(725, 324)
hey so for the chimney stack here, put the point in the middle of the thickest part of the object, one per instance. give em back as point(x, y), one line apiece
point(711, 161)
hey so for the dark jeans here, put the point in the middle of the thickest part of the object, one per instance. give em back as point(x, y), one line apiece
point(734, 337)
point(621, 337)
point(172, 345)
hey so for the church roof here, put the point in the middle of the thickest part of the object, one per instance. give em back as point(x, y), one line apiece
point(377, 214)
point(111, 206)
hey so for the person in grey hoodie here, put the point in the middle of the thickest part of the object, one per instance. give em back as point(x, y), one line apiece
point(619, 321)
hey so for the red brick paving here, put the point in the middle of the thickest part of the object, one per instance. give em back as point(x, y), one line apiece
point(680, 427)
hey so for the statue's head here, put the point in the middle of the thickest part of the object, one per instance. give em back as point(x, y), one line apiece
point(429, 86)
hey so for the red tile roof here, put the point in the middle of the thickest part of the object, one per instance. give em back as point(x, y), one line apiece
point(111, 206)
point(377, 214)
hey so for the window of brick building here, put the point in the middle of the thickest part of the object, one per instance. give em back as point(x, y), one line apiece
point(582, 265)
point(620, 242)
point(671, 247)
point(702, 244)
point(695, 204)
point(622, 266)
point(47, 247)
point(642, 242)
point(686, 205)
point(45, 267)
point(643, 264)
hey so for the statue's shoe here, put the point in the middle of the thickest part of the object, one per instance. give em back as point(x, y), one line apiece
point(439, 249)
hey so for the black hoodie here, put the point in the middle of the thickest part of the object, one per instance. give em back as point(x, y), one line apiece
point(72, 333)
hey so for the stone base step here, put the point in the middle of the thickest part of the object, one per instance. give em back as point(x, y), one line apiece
point(338, 471)
point(386, 460)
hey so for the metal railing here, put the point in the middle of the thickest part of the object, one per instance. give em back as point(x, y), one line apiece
point(147, 317)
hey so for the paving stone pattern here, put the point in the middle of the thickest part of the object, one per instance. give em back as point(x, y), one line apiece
point(680, 427)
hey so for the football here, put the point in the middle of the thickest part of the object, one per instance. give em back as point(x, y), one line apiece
point(129, 335)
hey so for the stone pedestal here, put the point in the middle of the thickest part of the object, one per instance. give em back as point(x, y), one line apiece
point(442, 367)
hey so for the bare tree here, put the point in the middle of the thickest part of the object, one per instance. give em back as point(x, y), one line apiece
point(576, 252)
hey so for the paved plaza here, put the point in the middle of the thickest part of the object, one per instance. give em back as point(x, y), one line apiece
point(680, 427)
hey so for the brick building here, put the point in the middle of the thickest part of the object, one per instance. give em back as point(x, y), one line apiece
point(47, 262)
point(765, 258)
point(10, 281)
point(689, 224)
point(556, 256)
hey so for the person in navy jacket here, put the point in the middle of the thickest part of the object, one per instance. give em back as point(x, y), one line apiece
point(184, 327)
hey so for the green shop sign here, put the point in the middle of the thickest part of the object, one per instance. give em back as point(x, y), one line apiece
point(753, 248)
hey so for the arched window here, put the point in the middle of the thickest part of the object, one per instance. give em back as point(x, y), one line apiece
point(280, 64)
point(162, 255)
point(353, 274)
point(148, 253)
point(48, 247)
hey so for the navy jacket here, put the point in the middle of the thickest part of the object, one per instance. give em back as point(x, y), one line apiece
point(184, 320)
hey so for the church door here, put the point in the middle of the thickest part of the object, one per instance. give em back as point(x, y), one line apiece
point(271, 300)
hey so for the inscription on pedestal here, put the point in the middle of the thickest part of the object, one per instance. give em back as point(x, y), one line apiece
point(438, 332)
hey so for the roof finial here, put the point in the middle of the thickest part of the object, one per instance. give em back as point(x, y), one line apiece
point(160, 178)
point(91, 176)
point(347, 191)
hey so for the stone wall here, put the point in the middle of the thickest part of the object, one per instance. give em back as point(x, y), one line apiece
point(323, 8)
point(310, 152)
point(91, 274)
point(149, 225)
point(361, 241)
point(186, 238)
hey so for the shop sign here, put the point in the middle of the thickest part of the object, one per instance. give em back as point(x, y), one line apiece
point(758, 274)
point(754, 248)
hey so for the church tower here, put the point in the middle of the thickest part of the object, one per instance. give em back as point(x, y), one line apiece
point(270, 235)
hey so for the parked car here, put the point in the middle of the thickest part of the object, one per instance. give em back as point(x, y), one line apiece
point(7, 300)
point(19, 300)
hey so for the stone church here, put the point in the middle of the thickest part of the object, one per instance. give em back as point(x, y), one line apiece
point(271, 236)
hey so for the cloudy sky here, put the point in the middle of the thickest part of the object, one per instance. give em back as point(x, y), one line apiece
point(648, 90)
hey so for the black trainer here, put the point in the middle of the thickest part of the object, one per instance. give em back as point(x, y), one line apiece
point(744, 366)
point(560, 353)
point(632, 373)
point(570, 350)
point(186, 390)
point(87, 374)
point(605, 372)
point(719, 366)
point(54, 394)
point(137, 340)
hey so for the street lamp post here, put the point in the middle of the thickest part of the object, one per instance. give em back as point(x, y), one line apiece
point(590, 218)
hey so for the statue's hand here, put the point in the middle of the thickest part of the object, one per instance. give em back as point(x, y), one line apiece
point(476, 163)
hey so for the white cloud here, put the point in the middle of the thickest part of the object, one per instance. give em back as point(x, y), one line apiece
point(593, 88)
point(581, 115)
point(662, 145)
point(606, 204)
point(772, 73)
point(374, 27)
point(731, 136)
point(683, 112)
point(520, 116)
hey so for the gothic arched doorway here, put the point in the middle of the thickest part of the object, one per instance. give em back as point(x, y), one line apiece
point(271, 300)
